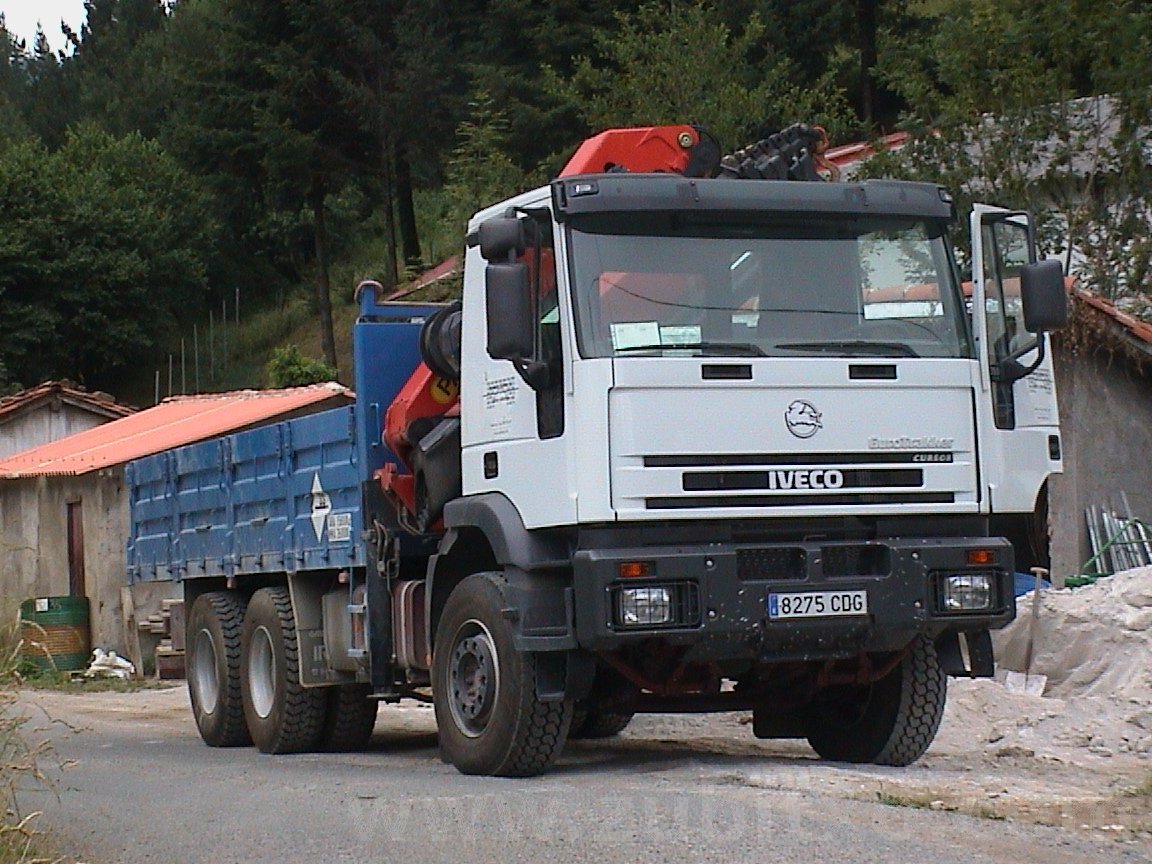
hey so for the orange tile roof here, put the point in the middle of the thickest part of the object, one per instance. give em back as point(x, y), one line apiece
point(850, 154)
point(1138, 332)
point(65, 391)
point(174, 422)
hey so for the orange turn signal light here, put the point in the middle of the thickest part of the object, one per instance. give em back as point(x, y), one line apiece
point(981, 557)
point(634, 569)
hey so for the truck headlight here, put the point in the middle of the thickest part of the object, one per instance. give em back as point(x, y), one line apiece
point(966, 592)
point(643, 607)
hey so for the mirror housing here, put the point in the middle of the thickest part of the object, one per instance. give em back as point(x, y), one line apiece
point(509, 311)
point(1043, 296)
point(502, 236)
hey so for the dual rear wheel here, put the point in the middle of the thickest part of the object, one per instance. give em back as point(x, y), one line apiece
point(244, 680)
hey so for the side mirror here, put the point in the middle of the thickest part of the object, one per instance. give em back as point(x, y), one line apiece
point(509, 302)
point(1043, 296)
point(500, 236)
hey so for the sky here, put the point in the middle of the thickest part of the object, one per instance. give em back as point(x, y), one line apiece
point(21, 16)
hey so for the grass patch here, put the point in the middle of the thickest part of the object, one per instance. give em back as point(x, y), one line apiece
point(888, 799)
point(920, 802)
point(63, 682)
point(27, 760)
point(1144, 790)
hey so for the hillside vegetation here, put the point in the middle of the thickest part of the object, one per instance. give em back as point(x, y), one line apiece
point(171, 157)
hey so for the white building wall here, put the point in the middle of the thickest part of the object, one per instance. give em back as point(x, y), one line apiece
point(44, 423)
point(34, 544)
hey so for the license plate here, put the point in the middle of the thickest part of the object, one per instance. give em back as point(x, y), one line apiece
point(818, 604)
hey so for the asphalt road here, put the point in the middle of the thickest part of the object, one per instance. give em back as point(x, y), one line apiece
point(145, 789)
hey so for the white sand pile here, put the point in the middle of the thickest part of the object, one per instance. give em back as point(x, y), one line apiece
point(1090, 641)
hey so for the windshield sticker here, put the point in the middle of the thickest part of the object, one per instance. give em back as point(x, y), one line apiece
point(635, 334)
point(680, 335)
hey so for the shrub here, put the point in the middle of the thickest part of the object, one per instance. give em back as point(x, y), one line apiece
point(289, 368)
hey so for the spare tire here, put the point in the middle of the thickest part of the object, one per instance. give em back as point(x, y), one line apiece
point(440, 342)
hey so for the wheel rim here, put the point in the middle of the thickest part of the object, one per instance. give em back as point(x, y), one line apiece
point(262, 672)
point(204, 672)
point(474, 678)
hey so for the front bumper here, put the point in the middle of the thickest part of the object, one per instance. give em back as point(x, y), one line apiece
point(719, 593)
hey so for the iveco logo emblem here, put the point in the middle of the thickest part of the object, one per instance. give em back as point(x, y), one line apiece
point(803, 419)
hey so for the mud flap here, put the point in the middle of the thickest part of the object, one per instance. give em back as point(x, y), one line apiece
point(977, 644)
point(564, 675)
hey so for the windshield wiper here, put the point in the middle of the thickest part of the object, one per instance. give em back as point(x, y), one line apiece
point(878, 349)
point(710, 349)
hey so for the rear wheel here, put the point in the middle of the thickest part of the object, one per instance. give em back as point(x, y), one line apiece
point(487, 713)
point(591, 722)
point(283, 715)
point(350, 718)
point(213, 639)
point(891, 722)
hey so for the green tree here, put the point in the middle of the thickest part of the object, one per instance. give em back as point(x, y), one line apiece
point(13, 84)
point(117, 67)
point(507, 43)
point(480, 172)
point(290, 104)
point(101, 256)
point(685, 64)
point(1008, 104)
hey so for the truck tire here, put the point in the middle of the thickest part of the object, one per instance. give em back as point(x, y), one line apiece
point(891, 722)
point(350, 718)
point(213, 639)
point(489, 719)
point(283, 715)
point(590, 722)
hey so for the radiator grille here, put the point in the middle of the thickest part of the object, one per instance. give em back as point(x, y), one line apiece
point(766, 501)
point(772, 562)
point(856, 560)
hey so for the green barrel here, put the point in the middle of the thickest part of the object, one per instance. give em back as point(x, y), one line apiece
point(56, 632)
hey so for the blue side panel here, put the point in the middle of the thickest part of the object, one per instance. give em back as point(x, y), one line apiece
point(196, 478)
point(152, 542)
point(385, 351)
point(280, 498)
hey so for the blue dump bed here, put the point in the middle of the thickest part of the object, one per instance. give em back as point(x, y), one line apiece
point(281, 498)
point(285, 497)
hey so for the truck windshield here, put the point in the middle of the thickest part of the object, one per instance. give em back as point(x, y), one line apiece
point(841, 286)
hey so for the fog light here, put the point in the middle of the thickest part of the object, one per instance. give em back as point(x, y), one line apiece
point(970, 592)
point(644, 607)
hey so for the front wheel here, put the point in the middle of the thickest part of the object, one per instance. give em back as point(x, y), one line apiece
point(489, 718)
point(891, 722)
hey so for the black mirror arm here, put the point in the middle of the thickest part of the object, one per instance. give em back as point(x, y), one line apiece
point(536, 373)
point(1009, 369)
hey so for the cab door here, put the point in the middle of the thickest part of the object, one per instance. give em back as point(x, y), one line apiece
point(1018, 391)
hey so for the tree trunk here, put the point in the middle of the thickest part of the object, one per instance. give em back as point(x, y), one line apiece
point(867, 12)
point(405, 209)
point(323, 285)
point(389, 212)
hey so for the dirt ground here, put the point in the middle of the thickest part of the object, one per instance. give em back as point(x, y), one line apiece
point(1083, 765)
point(1078, 758)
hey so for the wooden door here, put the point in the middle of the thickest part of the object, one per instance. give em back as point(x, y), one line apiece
point(76, 585)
